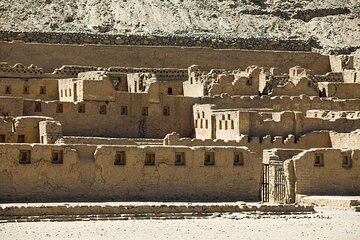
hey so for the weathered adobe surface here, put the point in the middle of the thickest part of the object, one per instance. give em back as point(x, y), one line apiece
point(139, 209)
point(327, 25)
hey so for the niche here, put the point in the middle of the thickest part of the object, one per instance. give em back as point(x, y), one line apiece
point(346, 161)
point(238, 159)
point(149, 159)
point(25, 157)
point(57, 156)
point(166, 110)
point(209, 159)
point(319, 160)
point(102, 109)
point(120, 158)
point(59, 108)
point(37, 107)
point(124, 110)
point(179, 159)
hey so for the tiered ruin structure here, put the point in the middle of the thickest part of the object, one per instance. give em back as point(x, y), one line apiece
point(235, 126)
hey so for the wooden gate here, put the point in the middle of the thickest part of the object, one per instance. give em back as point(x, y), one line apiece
point(265, 184)
point(279, 184)
point(273, 183)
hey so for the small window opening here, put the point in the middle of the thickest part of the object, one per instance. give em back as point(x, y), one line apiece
point(209, 159)
point(8, 90)
point(150, 159)
point(238, 159)
point(37, 107)
point(166, 111)
point(179, 158)
point(57, 157)
point(170, 91)
point(59, 108)
point(124, 110)
point(2, 138)
point(232, 124)
point(25, 157)
point(120, 158)
point(346, 163)
point(145, 111)
point(102, 109)
point(81, 108)
point(249, 81)
point(42, 90)
point(26, 90)
point(319, 160)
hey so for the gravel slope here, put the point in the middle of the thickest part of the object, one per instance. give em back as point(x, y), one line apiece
point(336, 24)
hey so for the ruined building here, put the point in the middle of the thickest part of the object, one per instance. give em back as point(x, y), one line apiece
point(237, 125)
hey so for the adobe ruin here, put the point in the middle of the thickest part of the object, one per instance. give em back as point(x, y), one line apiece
point(229, 125)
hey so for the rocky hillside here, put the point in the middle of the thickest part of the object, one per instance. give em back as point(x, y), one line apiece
point(334, 24)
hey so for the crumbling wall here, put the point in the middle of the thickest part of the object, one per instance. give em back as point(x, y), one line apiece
point(319, 139)
point(345, 140)
point(45, 89)
point(331, 177)
point(340, 90)
point(156, 57)
point(11, 106)
point(88, 173)
point(107, 119)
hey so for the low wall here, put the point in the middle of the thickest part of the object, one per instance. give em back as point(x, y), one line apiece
point(345, 140)
point(332, 178)
point(156, 57)
point(137, 210)
point(160, 40)
point(88, 173)
point(319, 139)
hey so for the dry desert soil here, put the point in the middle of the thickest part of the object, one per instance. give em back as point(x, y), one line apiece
point(325, 224)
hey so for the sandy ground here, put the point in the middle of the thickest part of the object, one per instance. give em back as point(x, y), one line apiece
point(326, 224)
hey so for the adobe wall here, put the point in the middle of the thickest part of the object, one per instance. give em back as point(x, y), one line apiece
point(284, 103)
point(16, 86)
point(351, 76)
point(319, 139)
point(331, 178)
point(11, 106)
point(114, 123)
point(156, 56)
point(25, 128)
point(345, 140)
point(156, 125)
point(340, 90)
point(88, 173)
point(303, 86)
point(98, 140)
point(66, 90)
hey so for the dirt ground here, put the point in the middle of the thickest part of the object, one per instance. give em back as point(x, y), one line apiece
point(325, 224)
